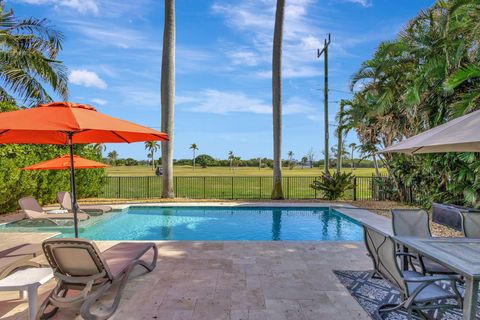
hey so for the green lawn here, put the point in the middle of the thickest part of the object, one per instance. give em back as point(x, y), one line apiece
point(223, 183)
point(187, 171)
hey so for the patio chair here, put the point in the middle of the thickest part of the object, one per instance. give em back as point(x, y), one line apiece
point(18, 257)
point(418, 292)
point(415, 223)
point(65, 202)
point(33, 210)
point(471, 225)
point(79, 265)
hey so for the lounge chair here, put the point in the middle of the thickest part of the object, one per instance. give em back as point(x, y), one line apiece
point(471, 224)
point(418, 292)
point(79, 265)
point(65, 202)
point(415, 223)
point(18, 257)
point(33, 210)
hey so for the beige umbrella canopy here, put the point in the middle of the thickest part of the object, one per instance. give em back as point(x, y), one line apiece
point(458, 135)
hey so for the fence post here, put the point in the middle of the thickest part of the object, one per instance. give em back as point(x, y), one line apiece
point(260, 178)
point(315, 190)
point(204, 192)
point(232, 188)
point(176, 186)
point(118, 190)
point(148, 187)
point(355, 189)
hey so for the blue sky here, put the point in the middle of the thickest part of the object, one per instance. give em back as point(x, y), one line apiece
point(223, 81)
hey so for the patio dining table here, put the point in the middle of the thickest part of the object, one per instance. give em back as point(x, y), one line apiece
point(462, 255)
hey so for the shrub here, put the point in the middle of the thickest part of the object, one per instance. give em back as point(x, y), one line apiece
point(333, 186)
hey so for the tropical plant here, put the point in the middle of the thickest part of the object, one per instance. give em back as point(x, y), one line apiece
point(28, 59)
point(426, 76)
point(277, 192)
point(194, 148)
point(304, 161)
point(112, 157)
point(333, 186)
point(204, 160)
point(152, 147)
point(168, 96)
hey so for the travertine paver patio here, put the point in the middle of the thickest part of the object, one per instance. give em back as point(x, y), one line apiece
point(236, 280)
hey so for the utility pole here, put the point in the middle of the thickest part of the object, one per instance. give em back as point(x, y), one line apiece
point(324, 51)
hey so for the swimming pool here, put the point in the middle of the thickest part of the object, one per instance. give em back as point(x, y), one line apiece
point(216, 223)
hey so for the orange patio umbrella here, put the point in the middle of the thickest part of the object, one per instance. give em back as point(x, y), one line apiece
point(66, 123)
point(63, 163)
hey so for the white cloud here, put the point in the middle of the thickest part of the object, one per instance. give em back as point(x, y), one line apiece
point(363, 3)
point(255, 20)
point(86, 78)
point(99, 101)
point(82, 6)
point(224, 102)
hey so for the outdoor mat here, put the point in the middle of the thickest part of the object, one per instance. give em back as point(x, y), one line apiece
point(372, 293)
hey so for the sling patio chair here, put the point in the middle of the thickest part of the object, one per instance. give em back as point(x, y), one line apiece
point(417, 291)
point(415, 223)
point(34, 211)
point(78, 265)
point(471, 224)
point(18, 257)
point(65, 202)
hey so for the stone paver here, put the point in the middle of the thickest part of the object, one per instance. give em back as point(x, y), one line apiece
point(234, 281)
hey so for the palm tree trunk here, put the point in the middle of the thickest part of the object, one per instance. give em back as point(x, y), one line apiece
point(375, 163)
point(351, 165)
point(167, 96)
point(277, 192)
point(153, 160)
point(193, 160)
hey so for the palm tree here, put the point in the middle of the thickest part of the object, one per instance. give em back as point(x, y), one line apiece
point(353, 147)
point(194, 147)
point(231, 157)
point(304, 161)
point(28, 58)
point(100, 147)
point(152, 147)
point(167, 96)
point(290, 159)
point(113, 156)
point(277, 192)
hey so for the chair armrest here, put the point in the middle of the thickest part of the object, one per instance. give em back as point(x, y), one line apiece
point(432, 278)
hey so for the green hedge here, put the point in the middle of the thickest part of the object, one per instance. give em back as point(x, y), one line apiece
point(43, 185)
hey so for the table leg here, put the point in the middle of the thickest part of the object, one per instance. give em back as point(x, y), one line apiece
point(470, 299)
point(32, 302)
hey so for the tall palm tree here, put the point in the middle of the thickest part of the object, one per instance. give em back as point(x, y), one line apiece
point(167, 96)
point(353, 147)
point(28, 56)
point(113, 156)
point(277, 192)
point(194, 148)
point(152, 147)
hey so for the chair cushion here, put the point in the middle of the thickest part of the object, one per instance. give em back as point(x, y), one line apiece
point(121, 255)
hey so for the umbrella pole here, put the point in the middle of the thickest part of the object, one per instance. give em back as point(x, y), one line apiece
point(72, 185)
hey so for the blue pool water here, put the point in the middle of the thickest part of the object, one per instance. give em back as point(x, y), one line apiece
point(217, 223)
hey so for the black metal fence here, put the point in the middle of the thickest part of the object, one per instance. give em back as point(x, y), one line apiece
point(298, 187)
